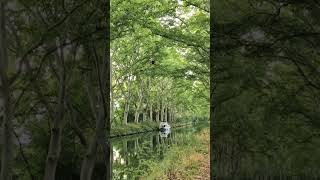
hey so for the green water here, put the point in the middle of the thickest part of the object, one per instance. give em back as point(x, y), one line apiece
point(132, 155)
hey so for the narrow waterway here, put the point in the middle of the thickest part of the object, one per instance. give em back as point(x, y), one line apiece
point(133, 155)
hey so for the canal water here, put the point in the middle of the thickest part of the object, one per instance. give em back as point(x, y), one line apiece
point(132, 155)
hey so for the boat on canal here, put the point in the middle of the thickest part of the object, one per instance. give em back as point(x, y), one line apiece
point(164, 126)
point(164, 134)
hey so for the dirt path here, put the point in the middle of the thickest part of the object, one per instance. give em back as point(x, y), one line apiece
point(200, 160)
point(191, 163)
point(204, 170)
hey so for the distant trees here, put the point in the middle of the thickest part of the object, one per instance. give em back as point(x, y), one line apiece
point(161, 71)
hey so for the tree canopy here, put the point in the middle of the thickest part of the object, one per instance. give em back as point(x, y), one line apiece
point(266, 87)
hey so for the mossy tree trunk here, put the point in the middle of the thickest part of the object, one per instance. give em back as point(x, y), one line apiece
point(58, 121)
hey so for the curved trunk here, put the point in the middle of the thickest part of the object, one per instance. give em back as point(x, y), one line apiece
point(53, 153)
point(90, 157)
point(89, 161)
point(102, 131)
point(98, 139)
point(56, 130)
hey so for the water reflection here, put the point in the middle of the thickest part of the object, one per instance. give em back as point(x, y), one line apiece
point(164, 134)
point(235, 159)
point(133, 155)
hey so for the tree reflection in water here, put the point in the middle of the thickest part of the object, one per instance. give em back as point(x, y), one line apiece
point(132, 155)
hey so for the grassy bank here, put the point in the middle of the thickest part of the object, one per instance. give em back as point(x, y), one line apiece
point(188, 162)
point(134, 128)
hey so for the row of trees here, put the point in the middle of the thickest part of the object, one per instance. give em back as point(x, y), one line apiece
point(156, 77)
point(54, 100)
point(265, 76)
point(52, 65)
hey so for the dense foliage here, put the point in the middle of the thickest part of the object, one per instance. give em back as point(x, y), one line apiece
point(266, 97)
point(55, 71)
point(54, 59)
point(159, 61)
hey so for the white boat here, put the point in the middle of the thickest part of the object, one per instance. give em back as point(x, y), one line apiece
point(164, 126)
point(165, 133)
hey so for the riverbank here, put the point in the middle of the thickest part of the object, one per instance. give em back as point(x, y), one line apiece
point(133, 128)
point(190, 162)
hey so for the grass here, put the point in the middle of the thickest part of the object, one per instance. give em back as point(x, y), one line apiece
point(187, 162)
point(133, 128)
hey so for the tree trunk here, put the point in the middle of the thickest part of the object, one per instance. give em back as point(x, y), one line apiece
point(102, 132)
point(136, 116)
point(150, 108)
point(90, 158)
point(126, 112)
point(172, 115)
point(162, 111)
point(144, 115)
point(147, 98)
point(7, 132)
point(56, 130)
point(89, 161)
point(158, 106)
point(157, 116)
point(127, 103)
point(166, 114)
point(111, 96)
point(138, 110)
point(5, 110)
point(100, 138)
point(125, 149)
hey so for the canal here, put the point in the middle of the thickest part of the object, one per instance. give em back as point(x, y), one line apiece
point(134, 155)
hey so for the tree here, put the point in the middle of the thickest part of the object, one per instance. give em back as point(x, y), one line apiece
point(263, 59)
point(5, 101)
